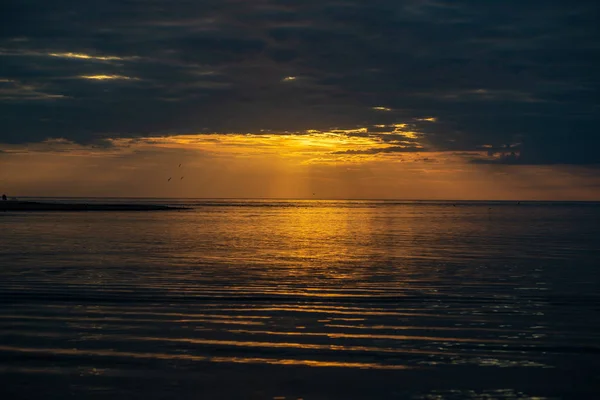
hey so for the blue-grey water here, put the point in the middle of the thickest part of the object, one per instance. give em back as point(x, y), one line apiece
point(305, 300)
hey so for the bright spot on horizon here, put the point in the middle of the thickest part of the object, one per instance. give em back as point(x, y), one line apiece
point(289, 78)
point(380, 108)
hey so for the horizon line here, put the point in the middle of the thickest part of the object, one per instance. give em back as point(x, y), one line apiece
point(306, 198)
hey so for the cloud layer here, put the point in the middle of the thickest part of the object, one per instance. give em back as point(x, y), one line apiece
point(516, 80)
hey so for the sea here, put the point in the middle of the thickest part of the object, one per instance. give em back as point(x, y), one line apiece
point(302, 299)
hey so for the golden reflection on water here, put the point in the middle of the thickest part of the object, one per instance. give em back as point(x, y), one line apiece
point(318, 235)
point(320, 248)
point(197, 358)
point(373, 336)
point(299, 285)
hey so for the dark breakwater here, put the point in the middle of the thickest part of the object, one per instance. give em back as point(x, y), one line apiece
point(38, 206)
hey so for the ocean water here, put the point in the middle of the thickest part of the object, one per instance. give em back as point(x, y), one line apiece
point(241, 299)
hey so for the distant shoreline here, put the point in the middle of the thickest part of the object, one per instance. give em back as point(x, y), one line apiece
point(148, 200)
point(13, 205)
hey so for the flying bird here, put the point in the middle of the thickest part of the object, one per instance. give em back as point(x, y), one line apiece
point(179, 165)
point(181, 178)
point(168, 180)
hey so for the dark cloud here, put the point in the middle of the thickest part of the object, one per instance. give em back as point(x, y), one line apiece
point(491, 73)
point(574, 149)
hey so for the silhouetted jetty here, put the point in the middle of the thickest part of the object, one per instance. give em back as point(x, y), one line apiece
point(38, 206)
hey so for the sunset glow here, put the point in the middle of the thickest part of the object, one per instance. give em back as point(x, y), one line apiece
point(329, 105)
point(290, 200)
point(353, 163)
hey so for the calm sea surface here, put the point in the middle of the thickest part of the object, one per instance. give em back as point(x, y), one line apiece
point(303, 299)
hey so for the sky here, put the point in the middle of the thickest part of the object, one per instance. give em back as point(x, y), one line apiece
point(405, 99)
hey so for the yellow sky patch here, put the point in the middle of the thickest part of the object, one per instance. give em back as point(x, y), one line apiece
point(102, 77)
point(271, 165)
point(83, 56)
point(308, 148)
